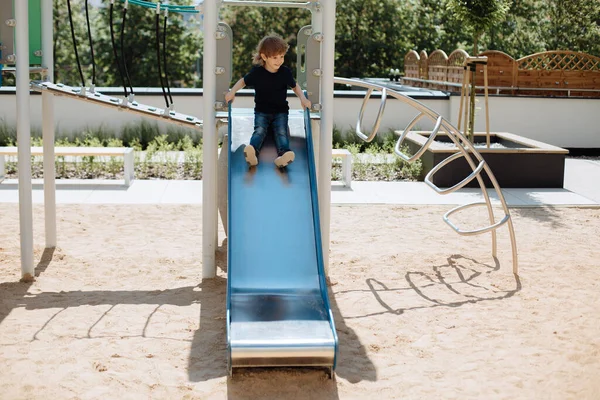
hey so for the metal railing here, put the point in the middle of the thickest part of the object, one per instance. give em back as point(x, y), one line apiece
point(466, 150)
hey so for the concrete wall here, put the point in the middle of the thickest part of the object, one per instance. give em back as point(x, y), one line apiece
point(565, 122)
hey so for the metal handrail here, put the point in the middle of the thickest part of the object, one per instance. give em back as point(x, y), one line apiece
point(432, 135)
point(429, 176)
point(377, 120)
point(474, 231)
point(468, 151)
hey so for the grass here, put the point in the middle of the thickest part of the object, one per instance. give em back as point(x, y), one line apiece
point(177, 154)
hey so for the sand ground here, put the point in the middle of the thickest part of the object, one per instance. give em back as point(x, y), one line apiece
point(119, 309)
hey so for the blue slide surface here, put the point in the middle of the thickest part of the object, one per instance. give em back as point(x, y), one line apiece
point(278, 311)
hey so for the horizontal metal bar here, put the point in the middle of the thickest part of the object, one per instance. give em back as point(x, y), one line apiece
point(446, 218)
point(280, 4)
point(428, 178)
point(119, 104)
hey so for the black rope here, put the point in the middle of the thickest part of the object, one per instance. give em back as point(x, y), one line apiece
point(75, 44)
point(87, 17)
point(162, 85)
point(165, 57)
point(122, 52)
point(112, 39)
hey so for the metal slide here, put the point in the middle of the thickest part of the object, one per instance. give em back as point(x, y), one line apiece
point(278, 311)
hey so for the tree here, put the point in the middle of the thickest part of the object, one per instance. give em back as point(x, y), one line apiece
point(65, 63)
point(370, 37)
point(522, 32)
point(574, 25)
point(479, 16)
point(434, 27)
point(184, 44)
point(183, 47)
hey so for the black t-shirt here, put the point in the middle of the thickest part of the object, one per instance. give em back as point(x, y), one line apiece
point(270, 88)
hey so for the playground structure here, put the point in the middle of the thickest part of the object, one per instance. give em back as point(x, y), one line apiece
point(297, 327)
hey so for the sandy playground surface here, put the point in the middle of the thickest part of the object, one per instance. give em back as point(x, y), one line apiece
point(119, 310)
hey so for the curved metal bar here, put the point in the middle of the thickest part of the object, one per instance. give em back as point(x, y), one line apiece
point(460, 184)
point(422, 150)
point(379, 115)
point(474, 231)
point(465, 148)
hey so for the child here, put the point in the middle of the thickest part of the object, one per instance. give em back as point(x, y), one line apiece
point(270, 81)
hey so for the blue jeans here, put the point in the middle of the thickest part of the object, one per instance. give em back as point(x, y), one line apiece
point(276, 123)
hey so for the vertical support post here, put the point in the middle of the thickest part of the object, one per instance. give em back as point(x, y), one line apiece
point(24, 140)
point(48, 126)
point(129, 167)
point(210, 145)
point(327, 59)
point(315, 125)
point(2, 169)
point(487, 109)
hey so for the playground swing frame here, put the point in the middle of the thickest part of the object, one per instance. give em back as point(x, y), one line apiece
point(323, 12)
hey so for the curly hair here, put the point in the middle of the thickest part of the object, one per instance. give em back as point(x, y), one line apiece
point(271, 45)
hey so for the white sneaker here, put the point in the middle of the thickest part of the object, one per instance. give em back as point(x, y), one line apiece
point(250, 155)
point(285, 159)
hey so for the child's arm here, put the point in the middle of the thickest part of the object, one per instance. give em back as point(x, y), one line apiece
point(229, 96)
point(303, 100)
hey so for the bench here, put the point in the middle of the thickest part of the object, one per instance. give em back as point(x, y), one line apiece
point(346, 157)
point(125, 152)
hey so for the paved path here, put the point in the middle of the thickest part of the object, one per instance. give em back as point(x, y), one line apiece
point(581, 188)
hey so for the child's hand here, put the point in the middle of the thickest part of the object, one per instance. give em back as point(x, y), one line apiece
point(229, 96)
point(306, 103)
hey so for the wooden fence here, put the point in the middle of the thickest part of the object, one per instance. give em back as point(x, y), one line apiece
point(551, 73)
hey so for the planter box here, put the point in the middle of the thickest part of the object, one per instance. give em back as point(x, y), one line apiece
point(519, 163)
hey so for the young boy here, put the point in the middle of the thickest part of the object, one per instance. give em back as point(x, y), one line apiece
point(270, 80)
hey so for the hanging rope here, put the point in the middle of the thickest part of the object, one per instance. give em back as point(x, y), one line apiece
point(122, 47)
point(112, 39)
point(75, 44)
point(158, 58)
point(165, 56)
point(87, 18)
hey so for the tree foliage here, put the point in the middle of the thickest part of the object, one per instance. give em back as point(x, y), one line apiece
point(574, 25)
point(370, 37)
point(65, 63)
point(522, 32)
point(433, 26)
point(479, 16)
point(139, 44)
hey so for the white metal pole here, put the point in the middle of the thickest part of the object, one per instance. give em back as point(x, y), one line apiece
point(327, 62)
point(210, 145)
point(316, 17)
point(24, 139)
point(48, 127)
point(316, 22)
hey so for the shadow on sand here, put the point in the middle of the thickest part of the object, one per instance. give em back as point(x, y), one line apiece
point(208, 359)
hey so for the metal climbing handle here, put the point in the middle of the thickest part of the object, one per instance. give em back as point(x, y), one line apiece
point(432, 135)
point(474, 231)
point(429, 176)
point(379, 115)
